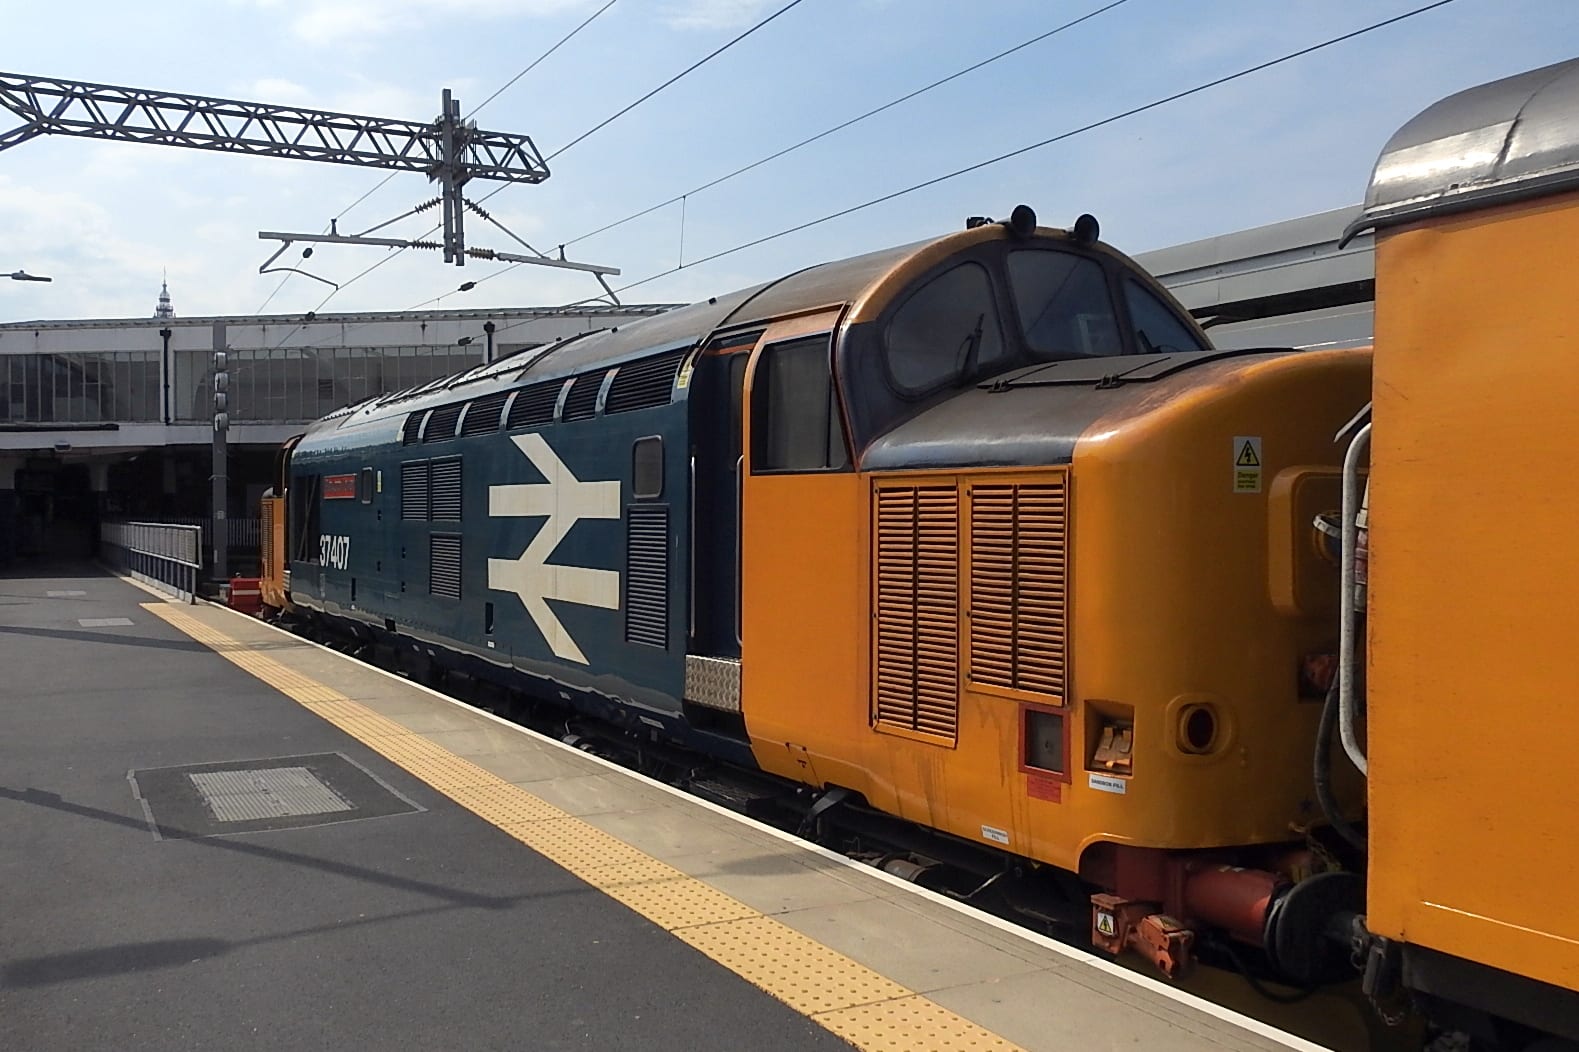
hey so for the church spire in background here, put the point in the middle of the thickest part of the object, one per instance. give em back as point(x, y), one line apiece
point(164, 310)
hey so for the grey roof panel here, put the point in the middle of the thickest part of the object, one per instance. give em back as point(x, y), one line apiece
point(1350, 325)
point(1278, 259)
point(1511, 138)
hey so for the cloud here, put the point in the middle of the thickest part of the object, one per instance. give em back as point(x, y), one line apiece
point(338, 22)
point(713, 14)
point(279, 92)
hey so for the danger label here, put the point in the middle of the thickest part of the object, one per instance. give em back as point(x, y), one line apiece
point(1105, 923)
point(1247, 463)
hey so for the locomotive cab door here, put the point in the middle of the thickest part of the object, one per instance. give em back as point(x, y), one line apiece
point(717, 396)
point(803, 579)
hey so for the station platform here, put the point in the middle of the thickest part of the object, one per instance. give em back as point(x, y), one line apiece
point(214, 834)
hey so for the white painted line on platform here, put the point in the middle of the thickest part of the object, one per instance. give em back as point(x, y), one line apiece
point(64, 593)
point(104, 622)
point(1150, 985)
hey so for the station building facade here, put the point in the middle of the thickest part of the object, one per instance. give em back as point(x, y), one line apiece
point(114, 418)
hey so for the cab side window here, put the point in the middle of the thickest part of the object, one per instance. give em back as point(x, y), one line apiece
point(794, 416)
point(305, 495)
point(1156, 327)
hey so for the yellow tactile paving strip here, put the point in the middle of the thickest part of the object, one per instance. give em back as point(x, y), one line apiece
point(855, 1002)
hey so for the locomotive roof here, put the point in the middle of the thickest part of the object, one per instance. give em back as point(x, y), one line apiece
point(1503, 141)
point(821, 285)
point(825, 284)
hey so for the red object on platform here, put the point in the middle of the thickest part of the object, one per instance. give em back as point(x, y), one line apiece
point(246, 594)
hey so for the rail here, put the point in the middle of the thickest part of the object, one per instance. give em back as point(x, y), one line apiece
point(166, 556)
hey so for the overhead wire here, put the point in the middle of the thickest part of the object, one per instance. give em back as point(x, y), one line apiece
point(583, 136)
point(376, 187)
point(1062, 136)
point(534, 63)
point(693, 67)
point(820, 135)
point(626, 109)
point(381, 183)
point(848, 123)
point(309, 315)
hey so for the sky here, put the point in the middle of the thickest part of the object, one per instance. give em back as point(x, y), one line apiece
point(108, 221)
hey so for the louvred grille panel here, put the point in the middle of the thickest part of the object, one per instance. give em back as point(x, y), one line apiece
point(483, 416)
point(916, 666)
point(414, 490)
point(441, 425)
point(582, 401)
point(444, 566)
point(534, 405)
point(1018, 568)
point(444, 490)
point(643, 384)
point(647, 575)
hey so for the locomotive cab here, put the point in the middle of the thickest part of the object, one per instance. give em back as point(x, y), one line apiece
point(1054, 591)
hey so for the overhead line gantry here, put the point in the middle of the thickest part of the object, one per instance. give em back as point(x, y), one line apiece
point(448, 150)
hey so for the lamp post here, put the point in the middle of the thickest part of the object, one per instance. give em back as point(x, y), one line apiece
point(221, 534)
point(22, 275)
point(166, 375)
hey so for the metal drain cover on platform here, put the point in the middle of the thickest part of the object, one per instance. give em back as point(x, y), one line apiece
point(268, 792)
point(249, 796)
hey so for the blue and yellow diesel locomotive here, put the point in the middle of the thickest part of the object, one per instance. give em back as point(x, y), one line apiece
point(979, 531)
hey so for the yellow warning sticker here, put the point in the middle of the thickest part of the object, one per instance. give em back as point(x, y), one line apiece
point(1247, 463)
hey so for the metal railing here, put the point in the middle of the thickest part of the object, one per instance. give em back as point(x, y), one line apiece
point(166, 556)
point(243, 538)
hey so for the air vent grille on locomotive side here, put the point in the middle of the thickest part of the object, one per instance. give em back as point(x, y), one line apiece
point(412, 428)
point(643, 384)
point(916, 666)
point(534, 406)
point(414, 490)
point(444, 565)
point(582, 401)
point(444, 490)
point(1017, 587)
point(647, 575)
point(442, 421)
point(483, 416)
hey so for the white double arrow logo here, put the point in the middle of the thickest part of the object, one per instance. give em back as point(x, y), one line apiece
point(565, 500)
